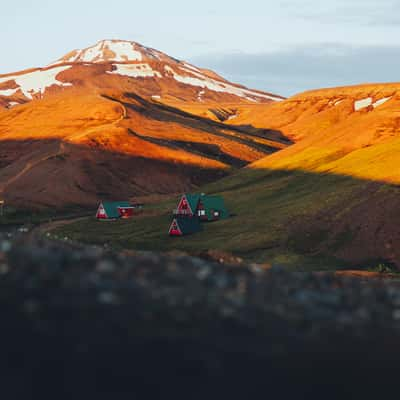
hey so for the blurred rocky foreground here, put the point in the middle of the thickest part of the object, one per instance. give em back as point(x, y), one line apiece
point(82, 323)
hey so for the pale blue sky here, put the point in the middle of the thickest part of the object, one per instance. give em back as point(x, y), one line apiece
point(284, 47)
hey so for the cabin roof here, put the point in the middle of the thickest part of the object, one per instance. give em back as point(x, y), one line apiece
point(214, 203)
point(210, 204)
point(193, 200)
point(111, 207)
point(188, 225)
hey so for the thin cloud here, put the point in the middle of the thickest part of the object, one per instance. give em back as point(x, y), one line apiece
point(360, 12)
point(295, 70)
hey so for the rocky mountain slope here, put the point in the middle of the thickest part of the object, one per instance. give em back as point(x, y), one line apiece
point(94, 125)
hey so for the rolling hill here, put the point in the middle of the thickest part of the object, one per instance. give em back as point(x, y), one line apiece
point(105, 122)
point(330, 200)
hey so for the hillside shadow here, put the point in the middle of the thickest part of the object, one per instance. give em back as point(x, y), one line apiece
point(298, 219)
point(294, 211)
point(352, 220)
point(272, 134)
point(53, 173)
point(165, 113)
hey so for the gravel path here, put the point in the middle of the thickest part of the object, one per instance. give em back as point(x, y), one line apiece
point(78, 322)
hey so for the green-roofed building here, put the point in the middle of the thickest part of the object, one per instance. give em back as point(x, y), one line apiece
point(211, 208)
point(206, 208)
point(115, 210)
point(184, 225)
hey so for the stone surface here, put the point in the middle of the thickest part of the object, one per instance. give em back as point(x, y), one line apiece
point(80, 322)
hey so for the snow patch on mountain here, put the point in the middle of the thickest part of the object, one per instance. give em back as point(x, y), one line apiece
point(200, 95)
point(108, 51)
point(381, 101)
point(194, 73)
point(151, 53)
point(204, 82)
point(364, 103)
point(89, 55)
point(169, 70)
point(124, 51)
point(334, 102)
point(361, 104)
point(135, 70)
point(8, 92)
point(37, 81)
point(191, 67)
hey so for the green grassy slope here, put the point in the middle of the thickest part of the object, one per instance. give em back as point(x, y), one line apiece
point(271, 210)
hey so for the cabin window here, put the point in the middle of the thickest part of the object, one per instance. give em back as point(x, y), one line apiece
point(216, 213)
point(202, 213)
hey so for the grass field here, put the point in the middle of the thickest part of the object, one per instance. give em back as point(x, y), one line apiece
point(13, 216)
point(270, 211)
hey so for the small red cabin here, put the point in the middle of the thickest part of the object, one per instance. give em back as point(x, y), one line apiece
point(182, 226)
point(174, 229)
point(187, 206)
point(115, 210)
point(126, 212)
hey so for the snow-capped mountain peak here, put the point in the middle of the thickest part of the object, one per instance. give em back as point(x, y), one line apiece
point(112, 51)
point(125, 64)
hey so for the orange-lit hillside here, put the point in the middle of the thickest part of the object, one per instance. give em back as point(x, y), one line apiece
point(335, 192)
point(352, 131)
point(94, 125)
point(74, 147)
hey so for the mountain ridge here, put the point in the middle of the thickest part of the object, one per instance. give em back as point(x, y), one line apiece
point(131, 63)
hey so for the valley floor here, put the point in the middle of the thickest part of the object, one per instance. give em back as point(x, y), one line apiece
point(150, 233)
point(303, 221)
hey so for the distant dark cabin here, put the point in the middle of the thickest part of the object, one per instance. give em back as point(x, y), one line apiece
point(206, 208)
point(115, 210)
point(184, 225)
